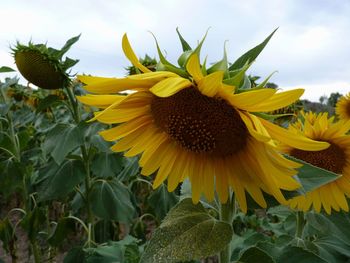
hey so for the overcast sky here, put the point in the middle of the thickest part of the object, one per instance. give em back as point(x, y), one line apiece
point(311, 48)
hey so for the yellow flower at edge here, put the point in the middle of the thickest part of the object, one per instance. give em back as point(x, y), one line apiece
point(342, 108)
point(336, 158)
point(197, 127)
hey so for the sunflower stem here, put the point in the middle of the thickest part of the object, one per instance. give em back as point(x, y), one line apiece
point(300, 224)
point(86, 161)
point(227, 212)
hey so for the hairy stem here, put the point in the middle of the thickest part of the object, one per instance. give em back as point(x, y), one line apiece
point(227, 212)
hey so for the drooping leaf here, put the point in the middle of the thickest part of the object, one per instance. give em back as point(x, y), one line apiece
point(107, 164)
point(312, 177)
point(168, 200)
point(110, 200)
point(251, 55)
point(255, 254)
point(297, 254)
point(63, 139)
point(131, 168)
point(188, 232)
point(56, 181)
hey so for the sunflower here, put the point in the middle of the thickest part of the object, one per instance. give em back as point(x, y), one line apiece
point(43, 66)
point(194, 123)
point(336, 159)
point(342, 108)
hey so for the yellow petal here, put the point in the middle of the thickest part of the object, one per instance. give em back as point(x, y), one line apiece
point(154, 76)
point(210, 84)
point(128, 141)
point(254, 131)
point(177, 171)
point(153, 163)
point(248, 100)
point(129, 53)
point(291, 139)
point(112, 116)
point(170, 86)
point(125, 128)
point(193, 67)
point(166, 167)
point(279, 100)
point(113, 85)
point(100, 101)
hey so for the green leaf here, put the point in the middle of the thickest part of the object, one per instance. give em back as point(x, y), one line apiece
point(263, 84)
point(297, 254)
point(4, 69)
point(62, 229)
point(56, 181)
point(185, 45)
point(67, 46)
point(131, 168)
point(251, 55)
point(61, 140)
point(107, 164)
point(255, 254)
point(168, 200)
point(111, 200)
point(312, 177)
point(47, 102)
point(188, 232)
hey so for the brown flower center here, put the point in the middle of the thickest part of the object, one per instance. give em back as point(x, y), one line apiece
point(331, 159)
point(199, 123)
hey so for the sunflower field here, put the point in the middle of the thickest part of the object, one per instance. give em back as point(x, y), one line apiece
point(193, 161)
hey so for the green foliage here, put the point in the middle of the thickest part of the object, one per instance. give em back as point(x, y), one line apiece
point(187, 232)
point(110, 200)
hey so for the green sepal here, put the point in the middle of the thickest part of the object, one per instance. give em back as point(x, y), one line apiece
point(263, 84)
point(68, 45)
point(184, 44)
point(251, 55)
point(221, 65)
point(167, 65)
point(237, 76)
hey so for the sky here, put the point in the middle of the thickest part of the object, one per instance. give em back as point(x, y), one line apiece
point(310, 50)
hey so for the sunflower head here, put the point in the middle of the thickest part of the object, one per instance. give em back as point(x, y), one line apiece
point(342, 108)
point(43, 66)
point(335, 158)
point(202, 123)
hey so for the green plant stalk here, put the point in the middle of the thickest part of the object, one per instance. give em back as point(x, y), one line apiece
point(36, 252)
point(227, 212)
point(300, 223)
point(76, 117)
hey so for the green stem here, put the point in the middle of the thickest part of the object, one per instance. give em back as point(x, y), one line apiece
point(227, 212)
point(86, 160)
point(300, 224)
point(36, 252)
